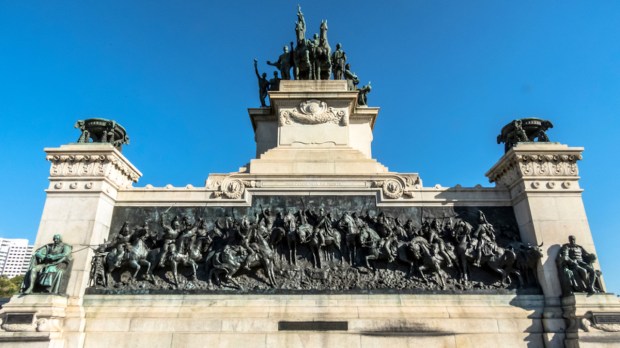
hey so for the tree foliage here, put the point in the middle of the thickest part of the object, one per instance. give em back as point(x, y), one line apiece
point(10, 287)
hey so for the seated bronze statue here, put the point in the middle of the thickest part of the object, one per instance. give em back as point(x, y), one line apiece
point(576, 269)
point(47, 268)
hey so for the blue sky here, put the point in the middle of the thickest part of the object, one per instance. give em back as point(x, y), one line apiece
point(179, 77)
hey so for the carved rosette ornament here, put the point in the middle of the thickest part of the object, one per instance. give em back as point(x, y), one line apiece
point(78, 165)
point(314, 112)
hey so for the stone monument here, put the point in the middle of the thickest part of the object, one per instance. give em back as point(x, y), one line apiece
point(313, 242)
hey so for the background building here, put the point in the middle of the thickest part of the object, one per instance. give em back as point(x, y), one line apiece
point(14, 257)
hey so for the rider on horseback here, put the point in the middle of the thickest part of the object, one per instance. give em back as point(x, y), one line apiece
point(435, 239)
point(266, 217)
point(122, 242)
point(323, 225)
point(171, 233)
point(384, 226)
point(485, 234)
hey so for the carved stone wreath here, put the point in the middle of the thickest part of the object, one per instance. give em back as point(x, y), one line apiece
point(232, 188)
point(313, 112)
point(392, 188)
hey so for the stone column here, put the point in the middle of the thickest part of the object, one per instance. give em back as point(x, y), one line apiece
point(84, 182)
point(543, 181)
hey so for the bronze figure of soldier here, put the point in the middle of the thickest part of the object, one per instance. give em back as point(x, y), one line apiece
point(263, 85)
point(284, 63)
point(339, 58)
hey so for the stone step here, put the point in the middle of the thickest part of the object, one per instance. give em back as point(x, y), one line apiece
point(335, 160)
point(315, 155)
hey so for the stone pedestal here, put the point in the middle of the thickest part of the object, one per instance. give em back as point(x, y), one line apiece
point(592, 320)
point(34, 321)
point(314, 127)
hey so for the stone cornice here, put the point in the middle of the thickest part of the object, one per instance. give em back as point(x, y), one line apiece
point(71, 162)
point(391, 185)
point(553, 162)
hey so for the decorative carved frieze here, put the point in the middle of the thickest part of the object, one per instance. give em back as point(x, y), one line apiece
point(312, 243)
point(537, 166)
point(88, 165)
point(314, 112)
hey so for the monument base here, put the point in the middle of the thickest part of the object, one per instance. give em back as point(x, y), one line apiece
point(34, 321)
point(593, 320)
point(314, 320)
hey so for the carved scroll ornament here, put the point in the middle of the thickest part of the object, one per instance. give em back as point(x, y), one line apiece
point(314, 112)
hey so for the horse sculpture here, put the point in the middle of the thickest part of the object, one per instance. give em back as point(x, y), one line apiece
point(295, 235)
point(301, 55)
point(428, 259)
point(194, 243)
point(322, 56)
point(135, 257)
point(351, 236)
point(233, 259)
point(332, 241)
point(386, 249)
point(278, 236)
point(528, 256)
point(173, 259)
point(371, 241)
point(501, 261)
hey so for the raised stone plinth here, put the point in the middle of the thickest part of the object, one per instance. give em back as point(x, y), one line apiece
point(34, 321)
point(592, 320)
point(314, 127)
point(339, 160)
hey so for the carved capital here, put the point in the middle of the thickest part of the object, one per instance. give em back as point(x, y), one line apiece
point(75, 163)
point(314, 112)
point(537, 165)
